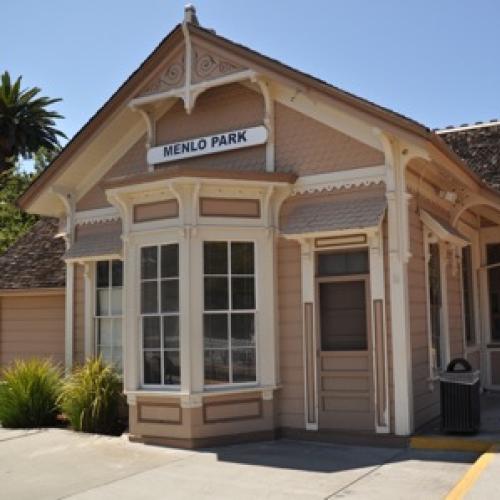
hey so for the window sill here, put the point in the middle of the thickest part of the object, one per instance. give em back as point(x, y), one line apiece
point(194, 399)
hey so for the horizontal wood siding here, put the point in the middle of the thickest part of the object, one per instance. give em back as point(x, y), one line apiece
point(425, 400)
point(32, 326)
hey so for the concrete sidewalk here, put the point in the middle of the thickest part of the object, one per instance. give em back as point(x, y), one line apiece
point(50, 464)
point(487, 483)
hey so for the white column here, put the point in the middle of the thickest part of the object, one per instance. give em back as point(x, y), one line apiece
point(89, 310)
point(400, 328)
point(186, 311)
point(130, 326)
point(266, 315)
point(309, 337)
point(69, 316)
point(379, 342)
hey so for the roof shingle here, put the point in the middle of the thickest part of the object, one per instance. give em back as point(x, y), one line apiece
point(35, 259)
point(335, 215)
point(479, 147)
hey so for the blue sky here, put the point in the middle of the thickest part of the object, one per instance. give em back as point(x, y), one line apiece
point(435, 61)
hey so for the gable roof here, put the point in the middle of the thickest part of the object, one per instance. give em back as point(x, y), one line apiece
point(479, 146)
point(272, 66)
point(34, 260)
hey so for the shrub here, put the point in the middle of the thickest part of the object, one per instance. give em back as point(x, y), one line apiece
point(91, 398)
point(28, 394)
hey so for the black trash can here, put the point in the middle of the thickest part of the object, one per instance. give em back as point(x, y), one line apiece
point(460, 402)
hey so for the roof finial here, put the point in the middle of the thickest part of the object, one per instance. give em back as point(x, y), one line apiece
point(190, 14)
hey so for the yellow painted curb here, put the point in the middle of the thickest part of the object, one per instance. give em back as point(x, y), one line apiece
point(472, 475)
point(450, 444)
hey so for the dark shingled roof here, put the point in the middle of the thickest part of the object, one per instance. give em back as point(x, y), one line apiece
point(34, 260)
point(479, 147)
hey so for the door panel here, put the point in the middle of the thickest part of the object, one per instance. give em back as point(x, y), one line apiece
point(345, 373)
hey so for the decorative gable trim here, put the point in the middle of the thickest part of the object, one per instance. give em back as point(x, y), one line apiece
point(96, 216)
point(347, 179)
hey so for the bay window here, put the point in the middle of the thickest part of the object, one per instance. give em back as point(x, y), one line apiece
point(160, 315)
point(229, 312)
point(108, 311)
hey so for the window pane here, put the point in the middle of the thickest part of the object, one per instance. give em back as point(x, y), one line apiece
point(242, 330)
point(171, 332)
point(215, 330)
point(104, 332)
point(105, 353)
point(243, 365)
point(493, 254)
point(171, 368)
point(216, 294)
point(242, 258)
point(102, 306)
point(468, 295)
point(151, 332)
point(152, 367)
point(216, 367)
point(215, 257)
point(117, 273)
point(117, 358)
point(170, 296)
point(102, 274)
point(494, 288)
point(243, 294)
point(117, 332)
point(149, 297)
point(343, 316)
point(116, 301)
point(342, 263)
point(149, 262)
point(169, 261)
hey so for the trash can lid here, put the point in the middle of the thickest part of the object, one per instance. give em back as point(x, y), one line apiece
point(459, 365)
point(464, 378)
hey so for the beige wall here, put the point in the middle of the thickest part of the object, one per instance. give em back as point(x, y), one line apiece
point(79, 317)
point(132, 162)
point(163, 420)
point(291, 375)
point(32, 326)
point(306, 146)
point(425, 401)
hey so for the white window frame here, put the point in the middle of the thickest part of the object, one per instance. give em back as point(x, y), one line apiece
point(112, 317)
point(158, 279)
point(229, 241)
point(444, 334)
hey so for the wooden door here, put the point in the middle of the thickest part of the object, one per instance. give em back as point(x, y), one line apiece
point(344, 365)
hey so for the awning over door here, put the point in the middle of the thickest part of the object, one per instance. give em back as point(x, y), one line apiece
point(336, 215)
point(443, 229)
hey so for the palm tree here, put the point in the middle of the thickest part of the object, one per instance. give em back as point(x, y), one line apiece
point(26, 125)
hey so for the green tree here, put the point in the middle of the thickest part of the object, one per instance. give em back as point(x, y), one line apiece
point(26, 125)
point(14, 222)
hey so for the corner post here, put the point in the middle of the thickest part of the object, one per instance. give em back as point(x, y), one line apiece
point(397, 216)
point(69, 317)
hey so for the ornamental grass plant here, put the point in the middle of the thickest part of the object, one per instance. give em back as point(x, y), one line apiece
point(29, 392)
point(91, 398)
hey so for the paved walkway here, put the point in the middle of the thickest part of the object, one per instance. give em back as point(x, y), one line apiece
point(55, 464)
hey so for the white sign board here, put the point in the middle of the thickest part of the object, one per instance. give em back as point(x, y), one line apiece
point(210, 144)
